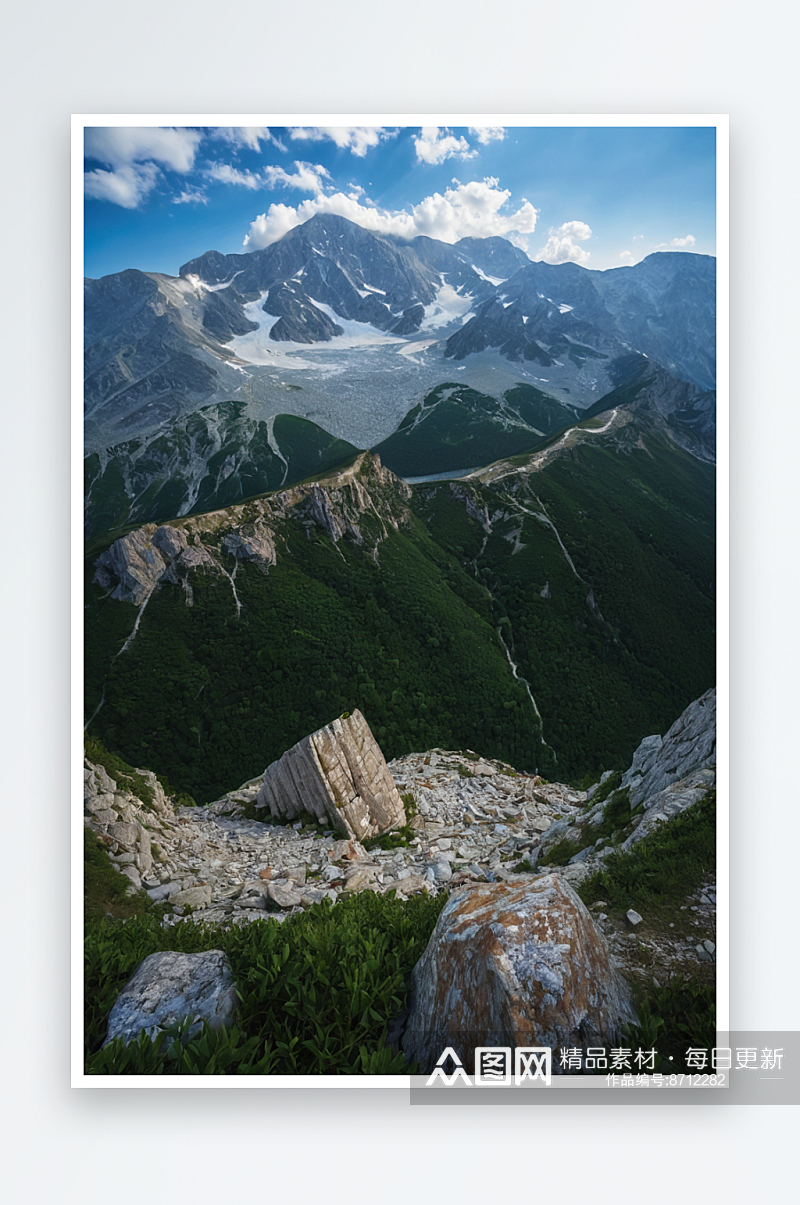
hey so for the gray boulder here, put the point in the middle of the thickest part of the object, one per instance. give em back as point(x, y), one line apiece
point(167, 988)
point(192, 897)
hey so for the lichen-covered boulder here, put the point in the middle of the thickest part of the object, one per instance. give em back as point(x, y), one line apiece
point(339, 776)
point(167, 988)
point(514, 965)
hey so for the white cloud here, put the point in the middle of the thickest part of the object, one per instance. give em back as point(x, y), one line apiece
point(357, 139)
point(223, 173)
point(465, 210)
point(688, 241)
point(126, 186)
point(434, 145)
point(132, 153)
point(308, 177)
point(191, 196)
point(562, 244)
point(486, 134)
point(118, 146)
point(627, 257)
point(245, 137)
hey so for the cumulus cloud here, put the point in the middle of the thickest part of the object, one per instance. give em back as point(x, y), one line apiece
point(308, 177)
point(246, 137)
point(125, 186)
point(131, 155)
point(486, 134)
point(223, 173)
point(357, 139)
point(627, 257)
point(477, 209)
point(191, 196)
point(562, 244)
point(688, 241)
point(436, 144)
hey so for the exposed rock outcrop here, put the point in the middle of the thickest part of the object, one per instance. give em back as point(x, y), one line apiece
point(513, 966)
point(167, 988)
point(339, 776)
point(670, 802)
point(134, 564)
point(689, 745)
point(137, 562)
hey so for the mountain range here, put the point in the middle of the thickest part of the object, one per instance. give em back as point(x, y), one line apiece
point(247, 372)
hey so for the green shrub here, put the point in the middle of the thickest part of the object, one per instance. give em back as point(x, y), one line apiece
point(316, 992)
point(673, 1018)
point(665, 866)
point(105, 890)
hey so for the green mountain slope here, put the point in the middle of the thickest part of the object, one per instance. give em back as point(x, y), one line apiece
point(601, 569)
point(391, 624)
point(590, 564)
point(213, 457)
point(455, 427)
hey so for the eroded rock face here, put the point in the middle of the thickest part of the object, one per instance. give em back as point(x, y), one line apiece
point(514, 965)
point(690, 744)
point(133, 565)
point(338, 775)
point(167, 988)
point(138, 561)
point(256, 545)
point(673, 800)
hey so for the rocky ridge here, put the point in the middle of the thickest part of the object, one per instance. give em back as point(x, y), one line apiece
point(357, 502)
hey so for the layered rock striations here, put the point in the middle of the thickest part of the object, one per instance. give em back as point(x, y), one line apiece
point(688, 746)
point(339, 776)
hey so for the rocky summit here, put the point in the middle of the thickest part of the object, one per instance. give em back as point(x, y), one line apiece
point(509, 847)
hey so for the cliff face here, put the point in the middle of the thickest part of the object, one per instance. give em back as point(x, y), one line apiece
point(360, 503)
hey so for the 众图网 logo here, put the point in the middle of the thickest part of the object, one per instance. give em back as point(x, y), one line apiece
point(493, 1067)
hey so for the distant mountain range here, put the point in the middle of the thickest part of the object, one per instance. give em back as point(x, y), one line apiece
point(444, 357)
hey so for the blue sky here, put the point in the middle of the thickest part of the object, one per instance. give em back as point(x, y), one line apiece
point(599, 196)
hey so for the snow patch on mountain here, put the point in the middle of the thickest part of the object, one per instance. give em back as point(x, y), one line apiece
point(448, 306)
point(492, 280)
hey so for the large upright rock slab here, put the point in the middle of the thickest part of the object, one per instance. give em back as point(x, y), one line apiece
point(339, 776)
point(514, 965)
point(690, 744)
point(167, 988)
